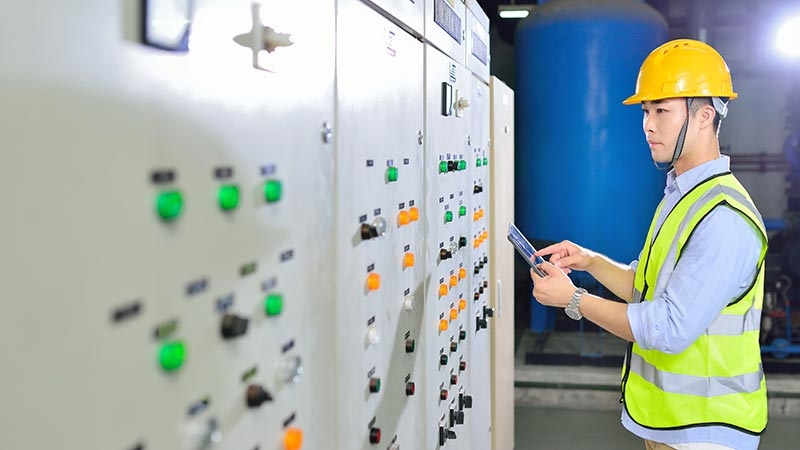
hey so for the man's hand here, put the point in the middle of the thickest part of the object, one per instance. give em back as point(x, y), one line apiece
point(555, 289)
point(568, 256)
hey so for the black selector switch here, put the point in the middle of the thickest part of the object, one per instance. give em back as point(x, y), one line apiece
point(488, 312)
point(374, 435)
point(480, 323)
point(233, 326)
point(462, 242)
point(452, 166)
point(368, 231)
point(256, 396)
point(462, 335)
point(445, 254)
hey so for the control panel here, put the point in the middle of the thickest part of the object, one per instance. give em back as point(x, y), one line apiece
point(238, 225)
point(380, 235)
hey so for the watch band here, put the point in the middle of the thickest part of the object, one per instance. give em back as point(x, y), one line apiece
point(573, 308)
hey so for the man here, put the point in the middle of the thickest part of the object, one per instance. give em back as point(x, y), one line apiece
point(692, 378)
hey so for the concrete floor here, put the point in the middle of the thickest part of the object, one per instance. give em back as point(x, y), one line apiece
point(566, 429)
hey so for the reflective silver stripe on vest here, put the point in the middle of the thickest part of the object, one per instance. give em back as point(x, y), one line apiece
point(694, 385)
point(637, 295)
point(734, 324)
point(669, 262)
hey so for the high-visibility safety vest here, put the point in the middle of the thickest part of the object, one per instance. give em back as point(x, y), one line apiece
point(718, 379)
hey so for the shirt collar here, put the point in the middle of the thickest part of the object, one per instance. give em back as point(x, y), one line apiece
point(692, 177)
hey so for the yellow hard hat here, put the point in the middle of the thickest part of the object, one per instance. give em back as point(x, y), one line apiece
point(682, 68)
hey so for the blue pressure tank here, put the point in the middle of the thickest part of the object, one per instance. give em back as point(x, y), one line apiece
point(583, 167)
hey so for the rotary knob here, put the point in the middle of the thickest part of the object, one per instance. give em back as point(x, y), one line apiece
point(256, 395)
point(233, 326)
point(375, 229)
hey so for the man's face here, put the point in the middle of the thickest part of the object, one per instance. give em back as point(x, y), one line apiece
point(662, 123)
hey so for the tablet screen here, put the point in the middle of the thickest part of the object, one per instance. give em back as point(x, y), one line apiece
point(524, 248)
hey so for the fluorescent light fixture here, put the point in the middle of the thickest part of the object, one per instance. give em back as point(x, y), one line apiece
point(515, 11)
point(788, 37)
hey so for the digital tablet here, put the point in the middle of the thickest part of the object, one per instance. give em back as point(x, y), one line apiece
point(524, 248)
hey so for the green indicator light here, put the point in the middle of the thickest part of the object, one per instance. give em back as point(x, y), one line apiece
point(485, 161)
point(169, 205)
point(172, 355)
point(462, 165)
point(273, 304)
point(228, 197)
point(478, 162)
point(391, 174)
point(378, 386)
point(448, 216)
point(442, 166)
point(272, 191)
point(462, 211)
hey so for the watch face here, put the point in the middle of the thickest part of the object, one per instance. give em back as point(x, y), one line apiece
point(572, 314)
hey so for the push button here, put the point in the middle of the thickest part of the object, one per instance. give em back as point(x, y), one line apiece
point(273, 190)
point(403, 218)
point(228, 197)
point(169, 205)
point(373, 281)
point(413, 213)
point(172, 355)
point(293, 439)
point(408, 260)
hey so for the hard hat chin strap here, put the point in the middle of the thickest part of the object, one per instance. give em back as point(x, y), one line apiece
point(681, 139)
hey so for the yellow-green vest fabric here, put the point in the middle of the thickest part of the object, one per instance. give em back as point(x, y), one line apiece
point(718, 379)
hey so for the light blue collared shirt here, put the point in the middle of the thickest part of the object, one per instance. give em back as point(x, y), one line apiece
point(717, 265)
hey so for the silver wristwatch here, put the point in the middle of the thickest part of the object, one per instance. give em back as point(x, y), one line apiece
point(573, 308)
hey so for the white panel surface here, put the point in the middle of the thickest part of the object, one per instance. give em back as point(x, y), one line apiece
point(501, 200)
point(95, 127)
point(410, 13)
point(380, 115)
point(482, 310)
point(448, 309)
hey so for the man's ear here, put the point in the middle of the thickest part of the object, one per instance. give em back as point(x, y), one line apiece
point(705, 116)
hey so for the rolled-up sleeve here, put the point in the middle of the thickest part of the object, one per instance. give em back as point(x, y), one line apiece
point(717, 265)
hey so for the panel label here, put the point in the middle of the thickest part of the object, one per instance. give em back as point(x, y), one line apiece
point(479, 50)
